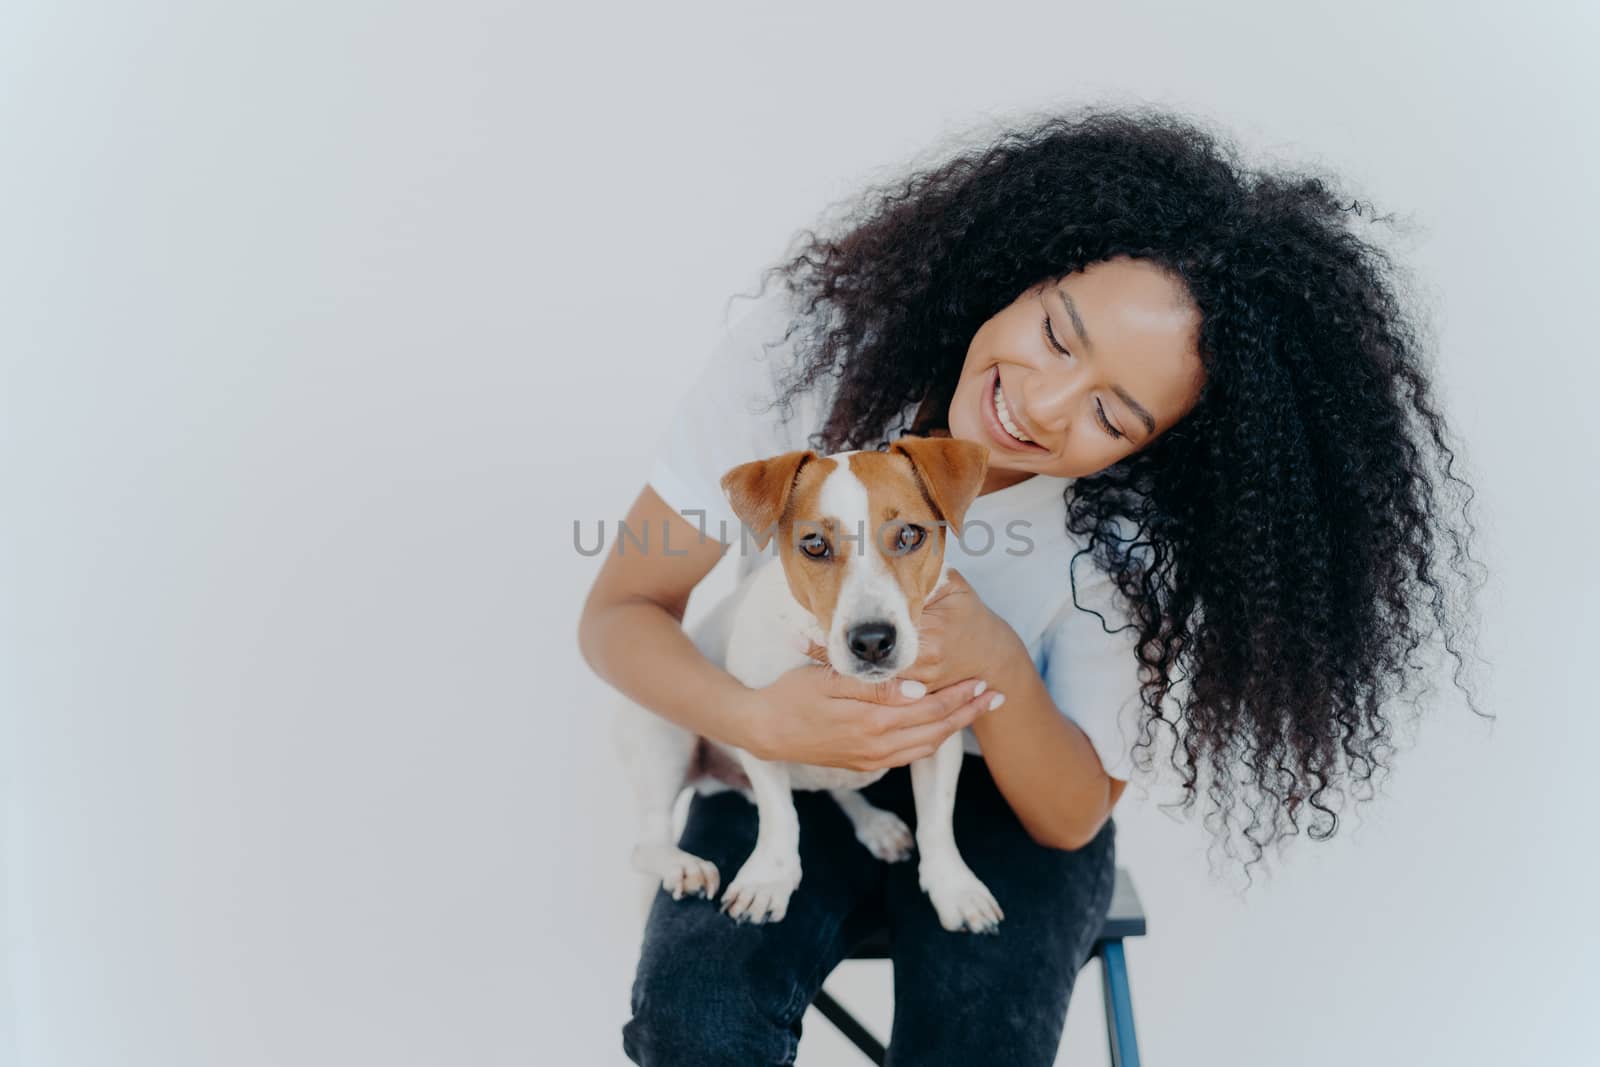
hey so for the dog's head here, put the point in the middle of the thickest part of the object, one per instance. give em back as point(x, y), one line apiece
point(861, 536)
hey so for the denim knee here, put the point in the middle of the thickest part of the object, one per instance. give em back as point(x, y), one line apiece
point(691, 1009)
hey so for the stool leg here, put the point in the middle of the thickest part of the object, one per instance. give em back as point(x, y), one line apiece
point(1119, 1005)
point(847, 1025)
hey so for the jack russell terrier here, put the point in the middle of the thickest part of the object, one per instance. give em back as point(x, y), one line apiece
point(860, 551)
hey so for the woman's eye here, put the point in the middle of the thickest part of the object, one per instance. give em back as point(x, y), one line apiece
point(1100, 413)
point(1049, 335)
point(1100, 408)
point(910, 537)
point(814, 546)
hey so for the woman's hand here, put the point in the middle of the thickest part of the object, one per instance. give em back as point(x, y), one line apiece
point(815, 715)
point(959, 637)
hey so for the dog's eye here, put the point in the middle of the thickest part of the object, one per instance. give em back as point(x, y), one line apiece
point(814, 546)
point(910, 537)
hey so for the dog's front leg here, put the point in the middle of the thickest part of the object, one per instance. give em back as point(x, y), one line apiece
point(958, 896)
point(760, 891)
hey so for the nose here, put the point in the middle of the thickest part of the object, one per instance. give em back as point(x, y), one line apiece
point(1048, 397)
point(872, 641)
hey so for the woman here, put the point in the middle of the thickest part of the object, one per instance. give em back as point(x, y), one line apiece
point(1211, 385)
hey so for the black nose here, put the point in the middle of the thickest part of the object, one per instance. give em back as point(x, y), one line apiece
point(872, 641)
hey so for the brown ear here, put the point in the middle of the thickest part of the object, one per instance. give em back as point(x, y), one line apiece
point(951, 470)
point(759, 490)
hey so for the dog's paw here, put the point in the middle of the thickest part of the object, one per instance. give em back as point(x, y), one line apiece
point(682, 874)
point(885, 834)
point(760, 892)
point(962, 901)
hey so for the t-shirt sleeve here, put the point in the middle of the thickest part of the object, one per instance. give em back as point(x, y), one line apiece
point(1093, 676)
point(726, 416)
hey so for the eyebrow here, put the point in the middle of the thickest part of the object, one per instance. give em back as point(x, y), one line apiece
point(1072, 313)
point(1137, 408)
point(1134, 406)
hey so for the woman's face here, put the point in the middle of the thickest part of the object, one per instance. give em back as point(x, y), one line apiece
point(1126, 370)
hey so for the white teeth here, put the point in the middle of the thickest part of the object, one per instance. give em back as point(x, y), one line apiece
point(1004, 412)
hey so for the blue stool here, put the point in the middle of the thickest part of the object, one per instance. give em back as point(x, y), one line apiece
point(1124, 918)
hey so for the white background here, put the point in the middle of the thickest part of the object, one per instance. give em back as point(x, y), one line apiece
point(321, 323)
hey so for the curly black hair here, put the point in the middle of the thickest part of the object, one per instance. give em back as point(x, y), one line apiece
point(1277, 548)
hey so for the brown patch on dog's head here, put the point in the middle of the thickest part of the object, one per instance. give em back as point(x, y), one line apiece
point(780, 497)
point(912, 487)
point(950, 470)
point(759, 491)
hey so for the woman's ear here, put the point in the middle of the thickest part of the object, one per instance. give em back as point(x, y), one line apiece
point(759, 490)
point(951, 471)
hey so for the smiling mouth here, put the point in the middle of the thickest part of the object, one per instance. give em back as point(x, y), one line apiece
point(1003, 414)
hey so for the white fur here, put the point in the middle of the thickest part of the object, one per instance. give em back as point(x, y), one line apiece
point(869, 590)
point(759, 632)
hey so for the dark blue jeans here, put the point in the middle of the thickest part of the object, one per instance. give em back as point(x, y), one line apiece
point(710, 991)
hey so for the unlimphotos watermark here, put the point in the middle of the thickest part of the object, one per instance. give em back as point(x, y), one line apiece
point(977, 538)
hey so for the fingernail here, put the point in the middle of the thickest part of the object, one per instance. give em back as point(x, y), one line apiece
point(998, 699)
point(913, 689)
point(978, 690)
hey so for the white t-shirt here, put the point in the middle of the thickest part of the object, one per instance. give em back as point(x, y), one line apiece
point(1014, 548)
